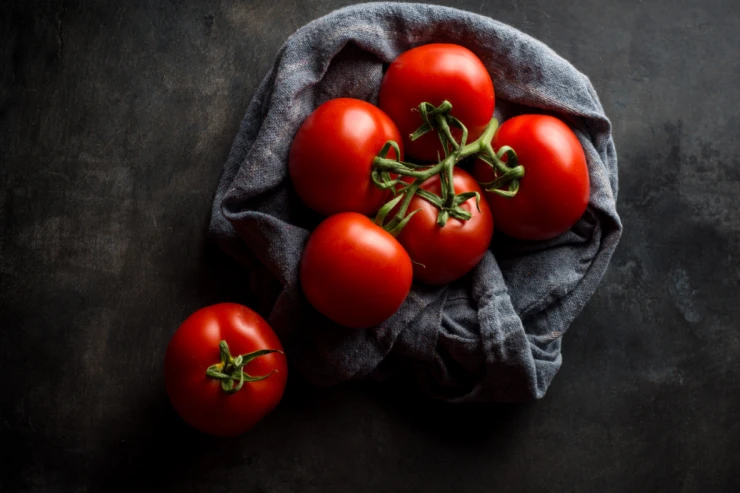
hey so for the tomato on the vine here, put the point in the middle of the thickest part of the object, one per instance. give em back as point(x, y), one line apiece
point(553, 194)
point(444, 254)
point(332, 153)
point(434, 73)
point(354, 271)
point(224, 369)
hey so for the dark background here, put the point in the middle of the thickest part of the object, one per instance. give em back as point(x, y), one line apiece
point(115, 120)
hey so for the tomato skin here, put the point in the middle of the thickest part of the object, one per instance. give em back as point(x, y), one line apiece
point(450, 252)
point(199, 399)
point(554, 192)
point(332, 153)
point(355, 272)
point(434, 73)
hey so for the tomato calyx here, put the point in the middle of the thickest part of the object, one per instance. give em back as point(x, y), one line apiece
point(230, 371)
point(449, 203)
point(440, 119)
point(507, 173)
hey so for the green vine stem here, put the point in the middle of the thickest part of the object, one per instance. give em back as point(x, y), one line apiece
point(508, 173)
point(230, 371)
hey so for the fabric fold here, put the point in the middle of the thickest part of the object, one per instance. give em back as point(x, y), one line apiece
point(494, 335)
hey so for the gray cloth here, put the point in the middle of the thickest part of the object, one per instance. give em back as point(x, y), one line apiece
point(495, 334)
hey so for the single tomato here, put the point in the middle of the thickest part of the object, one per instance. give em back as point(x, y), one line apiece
point(354, 271)
point(332, 154)
point(434, 73)
point(194, 369)
point(553, 194)
point(444, 254)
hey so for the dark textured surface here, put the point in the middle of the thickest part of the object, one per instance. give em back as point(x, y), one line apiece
point(115, 120)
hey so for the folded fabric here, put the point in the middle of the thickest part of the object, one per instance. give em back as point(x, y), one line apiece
point(496, 333)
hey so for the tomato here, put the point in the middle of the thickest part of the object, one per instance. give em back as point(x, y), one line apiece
point(444, 254)
point(434, 73)
point(553, 194)
point(355, 272)
point(200, 399)
point(332, 154)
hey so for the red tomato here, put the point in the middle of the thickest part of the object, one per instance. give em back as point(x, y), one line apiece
point(449, 252)
point(553, 194)
point(332, 154)
point(355, 272)
point(198, 398)
point(434, 73)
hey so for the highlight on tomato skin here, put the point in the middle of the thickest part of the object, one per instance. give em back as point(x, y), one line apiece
point(554, 192)
point(332, 153)
point(435, 73)
point(197, 347)
point(354, 272)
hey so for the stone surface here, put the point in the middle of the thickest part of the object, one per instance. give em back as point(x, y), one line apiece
point(115, 119)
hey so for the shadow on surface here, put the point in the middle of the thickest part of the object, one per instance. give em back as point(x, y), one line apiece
point(157, 449)
point(470, 424)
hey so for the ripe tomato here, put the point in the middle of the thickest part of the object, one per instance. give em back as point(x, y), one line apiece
point(354, 271)
point(444, 254)
point(200, 399)
point(332, 154)
point(553, 194)
point(434, 73)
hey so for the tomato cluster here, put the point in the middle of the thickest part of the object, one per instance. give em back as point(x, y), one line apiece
point(436, 105)
point(433, 222)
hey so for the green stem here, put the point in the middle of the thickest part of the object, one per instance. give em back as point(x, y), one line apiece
point(440, 120)
point(399, 168)
point(446, 136)
point(230, 371)
point(448, 163)
point(410, 191)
